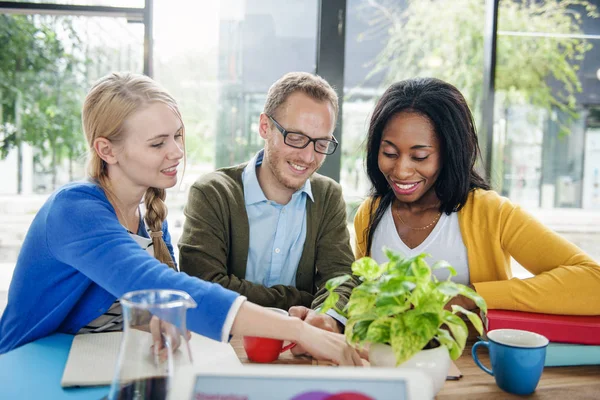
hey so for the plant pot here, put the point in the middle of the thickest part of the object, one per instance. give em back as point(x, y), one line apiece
point(434, 362)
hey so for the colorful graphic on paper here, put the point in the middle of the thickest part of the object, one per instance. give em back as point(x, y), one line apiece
point(332, 396)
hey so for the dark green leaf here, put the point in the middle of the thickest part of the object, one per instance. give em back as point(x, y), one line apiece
point(356, 330)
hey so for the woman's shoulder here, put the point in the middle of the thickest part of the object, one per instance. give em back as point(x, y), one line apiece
point(366, 204)
point(488, 202)
point(365, 208)
point(485, 196)
point(74, 193)
point(83, 186)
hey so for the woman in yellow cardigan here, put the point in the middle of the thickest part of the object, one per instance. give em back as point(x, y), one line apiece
point(428, 197)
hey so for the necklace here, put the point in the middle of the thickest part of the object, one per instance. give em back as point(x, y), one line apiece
point(439, 214)
point(112, 198)
point(125, 223)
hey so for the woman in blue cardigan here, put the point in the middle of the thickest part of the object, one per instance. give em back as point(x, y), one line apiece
point(90, 243)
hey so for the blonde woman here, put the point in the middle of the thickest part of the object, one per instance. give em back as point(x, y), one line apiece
point(89, 244)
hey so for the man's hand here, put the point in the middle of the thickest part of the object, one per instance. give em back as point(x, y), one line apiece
point(311, 317)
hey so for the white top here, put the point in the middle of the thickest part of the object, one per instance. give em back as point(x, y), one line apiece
point(443, 243)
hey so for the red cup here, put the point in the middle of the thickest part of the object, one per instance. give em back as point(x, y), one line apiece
point(265, 350)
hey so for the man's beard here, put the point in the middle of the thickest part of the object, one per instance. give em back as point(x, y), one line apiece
point(273, 158)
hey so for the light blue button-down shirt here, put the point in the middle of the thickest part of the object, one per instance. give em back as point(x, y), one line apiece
point(276, 243)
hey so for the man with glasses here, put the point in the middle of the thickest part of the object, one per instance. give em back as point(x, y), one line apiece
point(272, 229)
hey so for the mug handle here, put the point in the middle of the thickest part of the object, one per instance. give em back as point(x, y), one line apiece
point(288, 347)
point(476, 359)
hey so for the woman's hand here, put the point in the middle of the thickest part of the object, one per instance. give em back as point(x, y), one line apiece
point(324, 345)
point(462, 301)
point(311, 317)
point(164, 334)
point(253, 320)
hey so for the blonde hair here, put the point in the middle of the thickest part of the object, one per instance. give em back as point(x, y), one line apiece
point(313, 86)
point(112, 100)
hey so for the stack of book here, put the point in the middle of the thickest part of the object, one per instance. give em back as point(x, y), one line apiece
point(574, 340)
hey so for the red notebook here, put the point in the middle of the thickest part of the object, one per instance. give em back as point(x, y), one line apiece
point(557, 328)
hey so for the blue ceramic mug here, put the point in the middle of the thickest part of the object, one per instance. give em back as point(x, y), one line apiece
point(517, 359)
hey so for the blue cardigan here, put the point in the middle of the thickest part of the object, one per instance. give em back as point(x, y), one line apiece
point(77, 259)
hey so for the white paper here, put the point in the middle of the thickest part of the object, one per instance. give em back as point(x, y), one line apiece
point(93, 357)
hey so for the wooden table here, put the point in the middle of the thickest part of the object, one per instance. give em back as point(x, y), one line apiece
point(571, 383)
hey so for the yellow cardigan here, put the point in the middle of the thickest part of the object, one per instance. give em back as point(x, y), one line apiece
point(566, 280)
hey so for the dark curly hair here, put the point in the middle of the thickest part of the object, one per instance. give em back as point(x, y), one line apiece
point(448, 112)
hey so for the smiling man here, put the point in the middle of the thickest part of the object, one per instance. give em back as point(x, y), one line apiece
point(272, 229)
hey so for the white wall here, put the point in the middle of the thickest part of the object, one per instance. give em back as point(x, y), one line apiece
point(8, 172)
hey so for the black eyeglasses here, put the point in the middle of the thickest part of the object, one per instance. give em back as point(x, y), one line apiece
point(300, 140)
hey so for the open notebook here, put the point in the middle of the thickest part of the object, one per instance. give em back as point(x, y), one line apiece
point(93, 357)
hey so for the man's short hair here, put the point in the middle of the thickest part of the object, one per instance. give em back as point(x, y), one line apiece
point(313, 86)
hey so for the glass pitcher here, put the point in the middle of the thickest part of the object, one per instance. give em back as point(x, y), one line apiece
point(152, 320)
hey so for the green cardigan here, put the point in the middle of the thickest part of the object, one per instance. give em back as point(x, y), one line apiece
point(215, 240)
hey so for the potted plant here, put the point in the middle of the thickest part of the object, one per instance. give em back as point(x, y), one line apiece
point(400, 310)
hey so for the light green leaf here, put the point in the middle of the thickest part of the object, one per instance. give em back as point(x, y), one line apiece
point(447, 340)
point(405, 340)
point(444, 265)
point(474, 318)
point(360, 303)
point(421, 270)
point(334, 283)
point(450, 289)
point(330, 302)
point(379, 331)
point(392, 255)
point(427, 299)
point(390, 306)
point(396, 286)
point(473, 295)
point(458, 328)
point(369, 287)
point(367, 268)
point(398, 264)
point(424, 323)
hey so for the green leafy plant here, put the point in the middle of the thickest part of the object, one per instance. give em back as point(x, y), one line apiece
point(401, 303)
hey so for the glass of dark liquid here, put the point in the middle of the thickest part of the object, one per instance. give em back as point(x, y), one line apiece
point(154, 345)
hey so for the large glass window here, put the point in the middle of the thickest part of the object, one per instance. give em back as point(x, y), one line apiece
point(219, 61)
point(545, 128)
point(47, 67)
point(47, 64)
point(387, 41)
point(109, 3)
